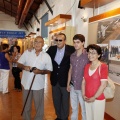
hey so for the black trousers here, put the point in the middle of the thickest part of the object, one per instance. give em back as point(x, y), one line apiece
point(16, 73)
point(61, 101)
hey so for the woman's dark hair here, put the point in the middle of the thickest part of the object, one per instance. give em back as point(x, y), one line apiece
point(18, 48)
point(95, 47)
point(4, 46)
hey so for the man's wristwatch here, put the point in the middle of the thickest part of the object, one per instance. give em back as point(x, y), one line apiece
point(33, 68)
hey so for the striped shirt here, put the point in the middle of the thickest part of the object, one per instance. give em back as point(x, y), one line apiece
point(78, 63)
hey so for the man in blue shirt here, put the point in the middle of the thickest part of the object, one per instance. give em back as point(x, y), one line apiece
point(60, 55)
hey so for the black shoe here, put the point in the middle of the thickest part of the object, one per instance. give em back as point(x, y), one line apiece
point(19, 90)
point(66, 118)
point(58, 119)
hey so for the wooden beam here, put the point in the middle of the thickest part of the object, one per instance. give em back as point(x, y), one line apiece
point(11, 7)
point(30, 24)
point(4, 6)
point(94, 3)
point(19, 11)
point(36, 18)
point(57, 30)
point(61, 18)
point(28, 4)
point(84, 2)
point(25, 26)
point(49, 6)
point(105, 15)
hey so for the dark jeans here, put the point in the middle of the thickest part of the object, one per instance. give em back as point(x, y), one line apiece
point(61, 101)
point(16, 73)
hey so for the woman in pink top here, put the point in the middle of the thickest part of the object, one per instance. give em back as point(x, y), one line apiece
point(93, 84)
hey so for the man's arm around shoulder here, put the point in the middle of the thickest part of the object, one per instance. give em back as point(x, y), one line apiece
point(51, 49)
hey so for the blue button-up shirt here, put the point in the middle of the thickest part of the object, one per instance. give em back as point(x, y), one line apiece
point(59, 55)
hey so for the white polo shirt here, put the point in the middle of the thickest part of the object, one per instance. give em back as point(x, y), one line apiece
point(42, 62)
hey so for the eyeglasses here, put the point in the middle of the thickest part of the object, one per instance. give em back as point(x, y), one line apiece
point(92, 53)
point(58, 40)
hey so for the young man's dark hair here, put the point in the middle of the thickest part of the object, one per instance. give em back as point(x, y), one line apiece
point(79, 37)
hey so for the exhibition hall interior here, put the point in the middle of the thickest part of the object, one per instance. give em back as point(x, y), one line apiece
point(26, 25)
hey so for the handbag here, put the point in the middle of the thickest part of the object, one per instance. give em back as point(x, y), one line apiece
point(109, 90)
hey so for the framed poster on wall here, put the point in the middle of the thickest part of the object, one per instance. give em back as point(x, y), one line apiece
point(108, 29)
point(114, 50)
point(105, 52)
point(114, 58)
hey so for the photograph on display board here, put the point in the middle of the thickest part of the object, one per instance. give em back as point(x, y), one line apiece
point(110, 55)
point(114, 72)
point(114, 58)
point(114, 50)
point(105, 52)
point(108, 29)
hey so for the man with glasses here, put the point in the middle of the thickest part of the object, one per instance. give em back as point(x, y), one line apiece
point(41, 62)
point(60, 55)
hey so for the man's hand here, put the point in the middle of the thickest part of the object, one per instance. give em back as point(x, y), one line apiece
point(27, 68)
point(38, 71)
point(68, 88)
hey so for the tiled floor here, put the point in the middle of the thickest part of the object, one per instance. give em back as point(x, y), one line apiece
point(11, 104)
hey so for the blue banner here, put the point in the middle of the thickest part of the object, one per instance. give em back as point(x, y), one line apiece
point(12, 34)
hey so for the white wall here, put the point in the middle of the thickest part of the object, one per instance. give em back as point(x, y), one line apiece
point(8, 23)
point(71, 7)
point(66, 7)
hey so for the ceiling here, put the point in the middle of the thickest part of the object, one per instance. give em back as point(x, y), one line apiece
point(21, 10)
point(24, 10)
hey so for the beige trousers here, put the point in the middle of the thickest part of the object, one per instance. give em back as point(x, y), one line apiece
point(38, 97)
point(95, 110)
point(4, 76)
